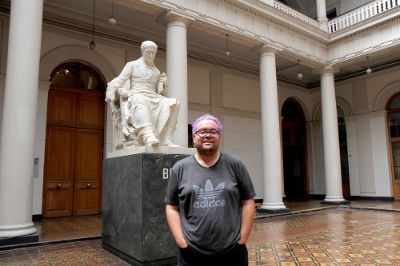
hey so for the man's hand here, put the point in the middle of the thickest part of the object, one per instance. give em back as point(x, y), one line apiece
point(248, 212)
point(174, 222)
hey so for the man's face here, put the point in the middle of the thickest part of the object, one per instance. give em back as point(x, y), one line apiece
point(148, 55)
point(207, 136)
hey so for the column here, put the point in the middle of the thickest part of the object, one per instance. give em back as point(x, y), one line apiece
point(333, 176)
point(272, 147)
point(321, 15)
point(19, 119)
point(177, 72)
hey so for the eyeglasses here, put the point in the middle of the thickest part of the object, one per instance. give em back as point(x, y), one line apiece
point(203, 132)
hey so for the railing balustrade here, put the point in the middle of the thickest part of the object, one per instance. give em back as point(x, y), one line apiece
point(345, 20)
point(286, 9)
point(360, 14)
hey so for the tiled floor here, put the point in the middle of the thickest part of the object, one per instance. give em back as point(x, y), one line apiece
point(356, 234)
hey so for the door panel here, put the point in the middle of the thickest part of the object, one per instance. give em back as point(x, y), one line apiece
point(58, 203)
point(59, 172)
point(87, 198)
point(62, 108)
point(88, 165)
point(59, 153)
point(90, 111)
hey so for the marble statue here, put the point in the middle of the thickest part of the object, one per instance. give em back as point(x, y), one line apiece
point(142, 114)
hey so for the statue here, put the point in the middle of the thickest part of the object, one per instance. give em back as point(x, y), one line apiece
point(142, 114)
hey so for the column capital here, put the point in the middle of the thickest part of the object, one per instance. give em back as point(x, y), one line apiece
point(327, 69)
point(267, 47)
point(173, 16)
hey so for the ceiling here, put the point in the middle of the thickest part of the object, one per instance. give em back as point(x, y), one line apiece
point(137, 22)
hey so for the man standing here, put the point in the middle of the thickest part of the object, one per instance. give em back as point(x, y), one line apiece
point(209, 202)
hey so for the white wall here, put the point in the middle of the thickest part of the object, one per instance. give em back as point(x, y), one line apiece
point(242, 137)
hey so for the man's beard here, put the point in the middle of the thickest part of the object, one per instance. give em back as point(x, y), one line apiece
point(207, 151)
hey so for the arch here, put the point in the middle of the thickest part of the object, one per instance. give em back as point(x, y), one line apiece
point(297, 109)
point(59, 55)
point(386, 93)
point(302, 105)
point(342, 103)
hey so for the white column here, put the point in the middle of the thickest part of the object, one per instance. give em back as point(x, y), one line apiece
point(19, 118)
point(272, 147)
point(177, 73)
point(333, 175)
point(321, 14)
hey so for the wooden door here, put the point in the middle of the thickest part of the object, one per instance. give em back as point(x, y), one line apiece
point(59, 171)
point(74, 153)
point(395, 163)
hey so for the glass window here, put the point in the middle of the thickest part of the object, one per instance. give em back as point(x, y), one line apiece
point(394, 124)
point(65, 77)
point(77, 75)
point(340, 112)
point(88, 80)
point(395, 102)
point(292, 110)
point(396, 159)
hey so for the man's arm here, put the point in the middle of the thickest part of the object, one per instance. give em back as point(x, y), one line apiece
point(174, 222)
point(248, 212)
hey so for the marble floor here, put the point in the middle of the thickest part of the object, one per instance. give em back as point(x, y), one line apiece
point(360, 233)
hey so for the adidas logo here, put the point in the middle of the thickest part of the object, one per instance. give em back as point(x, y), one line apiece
point(207, 197)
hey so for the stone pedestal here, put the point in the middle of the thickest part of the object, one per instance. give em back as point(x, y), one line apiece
point(134, 222)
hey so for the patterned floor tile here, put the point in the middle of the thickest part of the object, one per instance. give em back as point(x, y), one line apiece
point(351, 235)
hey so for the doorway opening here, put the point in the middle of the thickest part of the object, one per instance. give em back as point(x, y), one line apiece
point(294, 144)
point(344, 156)
point(74, 142)
point(393, 121)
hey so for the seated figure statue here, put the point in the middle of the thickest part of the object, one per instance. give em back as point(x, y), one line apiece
point(142, 115)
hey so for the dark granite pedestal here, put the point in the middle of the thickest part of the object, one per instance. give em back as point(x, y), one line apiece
point(21, 240)
point(134, 223)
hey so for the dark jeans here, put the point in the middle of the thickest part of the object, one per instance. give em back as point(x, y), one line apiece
point(237, 256)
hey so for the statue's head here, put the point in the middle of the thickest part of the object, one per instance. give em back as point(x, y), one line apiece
point(149, 51)
point(148, 45)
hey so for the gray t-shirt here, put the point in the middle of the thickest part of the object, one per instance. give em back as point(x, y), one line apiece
point(209, 200)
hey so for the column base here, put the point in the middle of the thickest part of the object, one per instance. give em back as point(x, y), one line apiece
point(339, 202)
point(19, 240)
point(273, 211)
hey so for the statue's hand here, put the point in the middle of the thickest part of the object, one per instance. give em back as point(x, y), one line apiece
point(123, 92)
point(163, 84)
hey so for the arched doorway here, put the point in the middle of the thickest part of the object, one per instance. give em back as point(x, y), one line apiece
point(294, 149)
point(393, 119)
point(74, 142)
point(344, 157)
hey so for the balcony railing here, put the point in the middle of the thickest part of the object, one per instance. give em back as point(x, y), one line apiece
point(360, 14)
point(285, 9)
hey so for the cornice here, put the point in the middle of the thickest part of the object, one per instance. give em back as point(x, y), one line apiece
point(286, 24)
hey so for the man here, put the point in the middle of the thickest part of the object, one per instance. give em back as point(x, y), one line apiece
point(209, 202)
point(147, 116)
